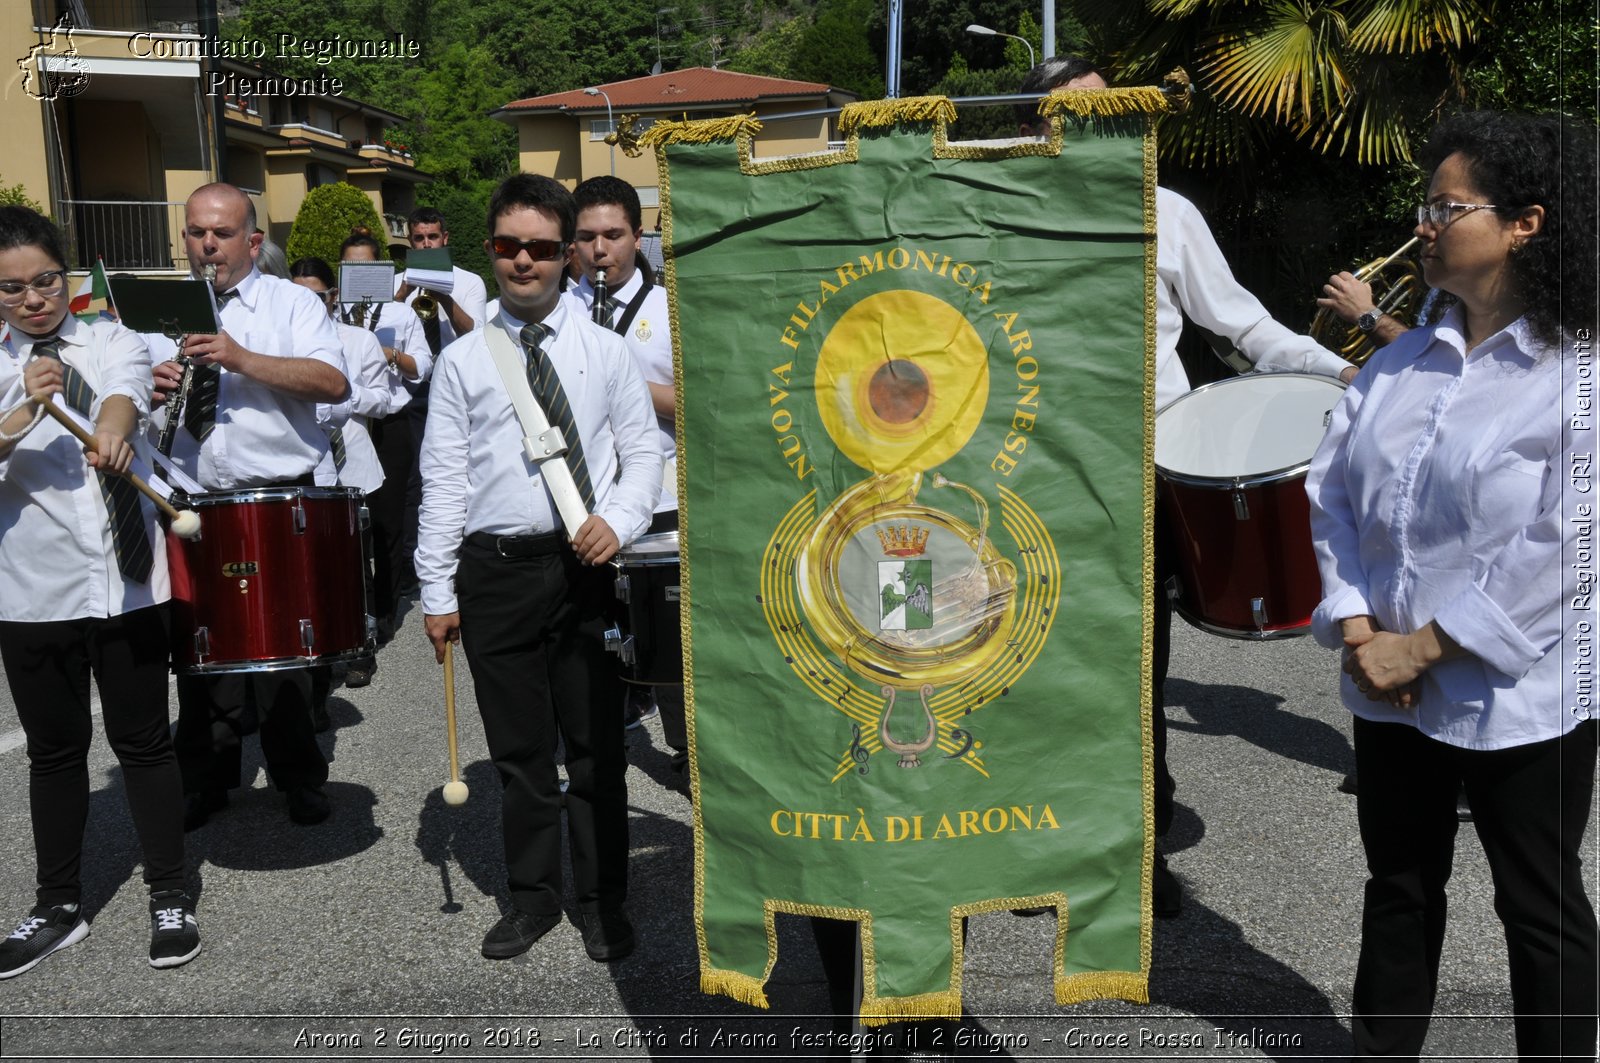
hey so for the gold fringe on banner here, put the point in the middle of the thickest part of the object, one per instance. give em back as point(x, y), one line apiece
point(700, 132)
point(1104, 103)
point(741, 987)
point(880, 1011)
point(1103, 985)
point(875, 114)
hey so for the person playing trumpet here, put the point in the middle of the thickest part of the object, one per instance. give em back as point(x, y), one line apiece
point(83, 590)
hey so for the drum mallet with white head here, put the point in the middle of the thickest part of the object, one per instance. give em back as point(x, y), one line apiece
point(455, 791)
point(185, 522)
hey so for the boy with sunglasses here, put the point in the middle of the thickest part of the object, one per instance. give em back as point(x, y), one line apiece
point(530, 606)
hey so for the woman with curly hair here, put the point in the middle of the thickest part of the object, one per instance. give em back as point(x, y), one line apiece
point(1450, 530)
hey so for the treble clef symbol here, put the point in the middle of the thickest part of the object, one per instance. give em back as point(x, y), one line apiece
point(858, 752)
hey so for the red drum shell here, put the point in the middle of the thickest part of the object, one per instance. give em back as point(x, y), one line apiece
point(1231, 460)
point(272, 569)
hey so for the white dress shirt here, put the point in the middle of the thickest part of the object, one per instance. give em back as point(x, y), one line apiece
point(368, 372)
point(398, 326)
point(57, 561)
point(1193, 279)
point(469, 293)
point(264, 436)
point(1441, 492)
point(649, 340)
point(475, 477)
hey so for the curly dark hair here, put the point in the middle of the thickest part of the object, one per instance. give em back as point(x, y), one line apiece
point(25, 227)
point(1519, 161)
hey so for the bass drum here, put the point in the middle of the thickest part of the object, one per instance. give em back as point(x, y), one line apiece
point(1231, 462)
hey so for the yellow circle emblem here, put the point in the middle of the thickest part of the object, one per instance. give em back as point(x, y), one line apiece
point(902, 382)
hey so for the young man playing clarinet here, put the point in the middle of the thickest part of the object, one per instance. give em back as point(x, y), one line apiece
point(500, 575)
point(635, 308)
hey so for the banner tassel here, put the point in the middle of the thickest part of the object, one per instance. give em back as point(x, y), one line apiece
point(898, 1009)
point(878, 113)
point(1103, 985)
point(740, 987)
point(705, 131)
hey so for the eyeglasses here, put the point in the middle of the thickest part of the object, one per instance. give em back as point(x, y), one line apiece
point(538, 250)
point(1440, 214)
point(45, 285)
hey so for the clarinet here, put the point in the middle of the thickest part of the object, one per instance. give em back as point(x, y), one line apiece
point(598, 312)
point(176, 402)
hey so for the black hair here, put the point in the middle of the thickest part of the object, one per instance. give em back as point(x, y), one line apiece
point(25, 227)
point(1521, 160)
point(311, 266)
point(361, 236)
point(605, 191)
point(425, 216)
point(1050, 74)
point(533, 191)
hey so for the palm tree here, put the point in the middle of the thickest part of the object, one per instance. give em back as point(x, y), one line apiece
point(1351, 77)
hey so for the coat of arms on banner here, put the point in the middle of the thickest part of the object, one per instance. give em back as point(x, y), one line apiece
point(915, 436)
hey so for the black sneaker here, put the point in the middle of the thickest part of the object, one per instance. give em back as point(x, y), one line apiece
point(515, 934)
point(45, 930)
point(197, 807)
point(1166, 892)
point(607, 936)
point(174, 935)
point(638, 706)
point(359, 674)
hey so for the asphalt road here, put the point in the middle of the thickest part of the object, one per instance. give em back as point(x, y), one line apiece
point(358, 938)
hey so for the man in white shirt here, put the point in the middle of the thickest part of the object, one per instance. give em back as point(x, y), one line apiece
point(1192, 280)
point(609, 228)
point(250, 421)
point(455, 314)
point(530, 608)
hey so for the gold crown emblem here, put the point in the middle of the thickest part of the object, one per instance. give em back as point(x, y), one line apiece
point(904, 541)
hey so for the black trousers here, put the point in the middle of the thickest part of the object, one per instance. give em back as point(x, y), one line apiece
point(1166, 566)
point(391, 436)
point(211, 721)
point(48, 666)
point(1530, 805)
point(533, 629)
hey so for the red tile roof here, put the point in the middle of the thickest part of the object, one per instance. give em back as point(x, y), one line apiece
point(694, 87)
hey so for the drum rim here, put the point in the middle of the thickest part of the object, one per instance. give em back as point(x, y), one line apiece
point(275, 494)
point(1251, 634)
point(1265, 478)
point(274, 664)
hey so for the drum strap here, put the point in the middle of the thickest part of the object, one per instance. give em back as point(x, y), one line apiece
point(542, 444)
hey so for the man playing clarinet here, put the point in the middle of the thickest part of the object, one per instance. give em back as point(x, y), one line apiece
point(250, 420)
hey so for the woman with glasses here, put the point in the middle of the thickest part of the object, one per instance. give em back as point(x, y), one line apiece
point(1452, 530)
point(83, 589)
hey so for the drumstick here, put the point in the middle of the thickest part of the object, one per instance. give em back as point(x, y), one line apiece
point(185, 522)
point(455, 791)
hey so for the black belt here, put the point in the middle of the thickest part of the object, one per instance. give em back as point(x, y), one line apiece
point(519, 545)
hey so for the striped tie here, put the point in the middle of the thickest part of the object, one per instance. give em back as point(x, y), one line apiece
point(128, 536)
point(336, 444)
point(604, 312)
point(547, 386)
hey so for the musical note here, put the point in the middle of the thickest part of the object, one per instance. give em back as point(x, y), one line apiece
point(966, 743)
point(760, 600)
point(858, 752)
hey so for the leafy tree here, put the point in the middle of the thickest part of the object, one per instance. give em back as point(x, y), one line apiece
point(455, 137)
point(834, 49)
point(325, 221)
point(465, 207)
point(17, 196)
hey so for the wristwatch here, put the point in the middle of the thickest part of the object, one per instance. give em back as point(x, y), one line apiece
point(1368, 321)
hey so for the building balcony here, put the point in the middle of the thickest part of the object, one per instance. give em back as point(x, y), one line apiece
point(123, 235)
point(389, 152)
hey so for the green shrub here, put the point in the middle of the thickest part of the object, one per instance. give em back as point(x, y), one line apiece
point(326, 218)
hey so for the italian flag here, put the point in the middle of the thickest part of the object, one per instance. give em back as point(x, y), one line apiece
point(93, 297)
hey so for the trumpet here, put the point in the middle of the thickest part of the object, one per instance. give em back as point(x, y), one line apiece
point(425, 305)
point(1397, 290)
point(175, 403)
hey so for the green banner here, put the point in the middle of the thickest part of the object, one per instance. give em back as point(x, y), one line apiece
point(915, 433)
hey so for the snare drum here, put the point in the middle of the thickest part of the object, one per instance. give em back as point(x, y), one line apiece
point(651, 647)
point(274, 581)
point(1231, 460)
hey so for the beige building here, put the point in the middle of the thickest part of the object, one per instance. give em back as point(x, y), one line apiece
point(563, 134)
point(114, 117)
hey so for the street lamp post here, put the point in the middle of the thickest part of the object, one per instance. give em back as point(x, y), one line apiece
point(985, 31)
point(611, 126)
